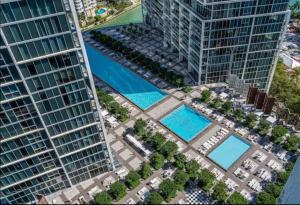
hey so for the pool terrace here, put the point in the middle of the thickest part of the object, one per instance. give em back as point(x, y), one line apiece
point(175, 98)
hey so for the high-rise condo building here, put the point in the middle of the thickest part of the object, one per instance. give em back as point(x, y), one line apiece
point(218, 38)
point(87, 7)
point(52, 135)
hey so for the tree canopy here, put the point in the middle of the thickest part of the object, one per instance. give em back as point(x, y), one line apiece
point(277, 133)
point(157, 161)
point(265, 198)
point(103, 198)
point(263, 127)
point(132, 180)
point(205, 96)
point(236, 198)
point(220, 192)
point(157, 140)
point(238, 114)
point(285, 86)
point(274, 189)
point(250, 120)
point(180, 179)
point(227, 107)
point(292, 143)
point(169, 149)
point(180, 160)
point(168, 189)
point(205, 179)
point(117, 190)
point(139, 127)
point(145, 170)
point(154, 198)
point(192, 168)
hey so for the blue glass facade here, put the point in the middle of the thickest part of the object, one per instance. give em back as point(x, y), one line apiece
point(52, 136)
point(218, 38)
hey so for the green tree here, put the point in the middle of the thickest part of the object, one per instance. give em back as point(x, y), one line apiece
point(250, 120)
point(282, 177)
point(274, 189)
point(180, 161)
point(263, 127)
point(139, 127)
point(157, 161)
point(122, 114)
point(216, 103)
point(236, 198)
point(168, 189)
point(238, 114)
point(289, 166)
point(117, 190)
point(154, 198)
point(277, 133)
point(285, 87)
point(227, 107)
point(295, 8)
point(205, 180)
point(169, 149)
point(145, 170)
point(292, 143)
point(132, 180)
point(157, 140)
point(104, 98)
point(178, 81)
point(103, 198)
point(265, 198)
point(192, 168)
point(187, 89)
point(205, 96)
point(220, 192)
point(146, 137)
point(180, 179)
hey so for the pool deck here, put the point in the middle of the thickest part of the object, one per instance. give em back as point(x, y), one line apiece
point(174, 99)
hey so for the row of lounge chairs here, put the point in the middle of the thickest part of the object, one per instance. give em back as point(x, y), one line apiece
point(213, 140)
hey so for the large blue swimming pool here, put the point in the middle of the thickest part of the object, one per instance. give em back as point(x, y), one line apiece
point(229, 151)
point(135, 88)
point(185, 122)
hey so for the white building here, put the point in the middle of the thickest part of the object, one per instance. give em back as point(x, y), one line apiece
point(85, 6)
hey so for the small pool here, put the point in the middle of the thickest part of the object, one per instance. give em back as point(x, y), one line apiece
point(186, 123)
point(227, 153)
point(132, 86)
point(101, 11)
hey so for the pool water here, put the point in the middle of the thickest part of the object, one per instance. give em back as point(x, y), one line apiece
point(226, 154)
point(101, 11)
point(186, 123)
point(132, 86)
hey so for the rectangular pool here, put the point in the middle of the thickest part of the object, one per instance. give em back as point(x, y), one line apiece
point(132, 86)
point(185, 122)
point(227, 153)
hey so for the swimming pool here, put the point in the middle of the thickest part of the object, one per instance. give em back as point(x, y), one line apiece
point(135, 88)
point(185, 122)
point(101, 11)
point(229, 151)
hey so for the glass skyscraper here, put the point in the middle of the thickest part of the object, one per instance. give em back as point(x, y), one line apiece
point(218, 38)
point(52, 135)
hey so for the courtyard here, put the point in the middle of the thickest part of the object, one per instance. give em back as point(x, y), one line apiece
point(248, 172)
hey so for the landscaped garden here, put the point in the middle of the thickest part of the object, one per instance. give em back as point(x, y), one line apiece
point(112, 106)
point(275, 133)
